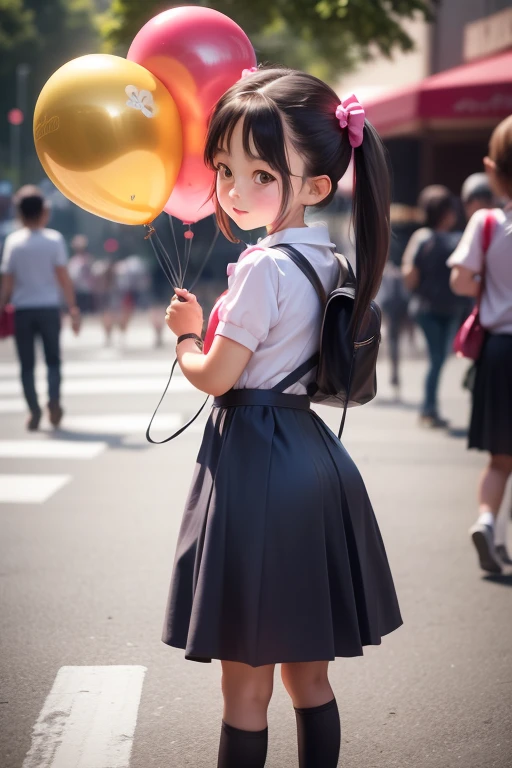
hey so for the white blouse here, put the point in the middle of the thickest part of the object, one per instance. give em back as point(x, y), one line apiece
point(272, 309)
point(496, 306)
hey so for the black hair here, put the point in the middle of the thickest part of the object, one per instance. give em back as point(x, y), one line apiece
point(30, 203)
point(274, 100)
point(436, 201)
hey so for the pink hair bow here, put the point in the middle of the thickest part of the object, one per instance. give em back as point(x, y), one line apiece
point(351, 115)
point(246, 72)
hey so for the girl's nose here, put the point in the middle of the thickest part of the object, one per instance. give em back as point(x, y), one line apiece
point(233, 193)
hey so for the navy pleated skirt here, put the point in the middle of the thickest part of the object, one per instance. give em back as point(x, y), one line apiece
point(491, 417)
point(279, 556)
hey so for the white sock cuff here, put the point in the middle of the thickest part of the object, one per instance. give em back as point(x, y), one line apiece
point(486, 518)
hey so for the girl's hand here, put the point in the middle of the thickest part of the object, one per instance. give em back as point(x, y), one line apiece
point(184, 316)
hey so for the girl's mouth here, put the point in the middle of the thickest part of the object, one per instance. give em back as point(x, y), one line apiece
point(236, 210)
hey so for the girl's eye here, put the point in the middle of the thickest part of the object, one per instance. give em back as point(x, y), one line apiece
point(262, 177)
point(224, 171)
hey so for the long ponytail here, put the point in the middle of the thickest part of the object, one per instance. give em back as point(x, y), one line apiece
point(370, 217)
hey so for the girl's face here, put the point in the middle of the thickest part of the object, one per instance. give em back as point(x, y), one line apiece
point(250, 192)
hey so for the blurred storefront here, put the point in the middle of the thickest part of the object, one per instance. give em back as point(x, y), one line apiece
point(437, 127)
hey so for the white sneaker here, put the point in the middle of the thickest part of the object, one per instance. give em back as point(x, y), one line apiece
point(483, 539)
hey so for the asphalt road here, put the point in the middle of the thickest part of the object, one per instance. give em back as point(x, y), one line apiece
point(86, 558)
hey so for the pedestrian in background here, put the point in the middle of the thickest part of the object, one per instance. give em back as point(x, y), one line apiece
point(33, 273)
point(393, 299)
point(491, 418)
point(80, 272)
point(476, 193)
point(435, 307)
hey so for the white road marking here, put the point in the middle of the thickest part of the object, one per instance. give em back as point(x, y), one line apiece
point(50, 449)
point(98, 368)
point(13, 405)
point(88, 719)
point(94, 386)
point(122, 424)
point(30, 489)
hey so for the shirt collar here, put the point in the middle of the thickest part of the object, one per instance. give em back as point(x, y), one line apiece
point(316, 234)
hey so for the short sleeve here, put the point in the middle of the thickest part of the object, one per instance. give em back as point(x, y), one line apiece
point(469, 251)
point(61, 254)
point(416, 240)
point(250, 308)
point(6, 267)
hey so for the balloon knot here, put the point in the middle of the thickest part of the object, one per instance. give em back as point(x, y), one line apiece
point(188, 235)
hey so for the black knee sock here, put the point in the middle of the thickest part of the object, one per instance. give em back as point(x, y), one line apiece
point(242, 749)
point(318, 735)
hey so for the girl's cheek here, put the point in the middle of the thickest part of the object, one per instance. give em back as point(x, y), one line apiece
point(268, 198)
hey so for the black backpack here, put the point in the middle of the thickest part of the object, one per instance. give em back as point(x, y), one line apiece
point(346, 374)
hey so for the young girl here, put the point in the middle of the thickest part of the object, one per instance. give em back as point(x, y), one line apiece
point(279, 557)
point(491, 418)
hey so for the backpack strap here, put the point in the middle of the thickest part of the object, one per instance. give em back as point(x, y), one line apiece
point(303, 264)
point(298, 373)
point(487, 233)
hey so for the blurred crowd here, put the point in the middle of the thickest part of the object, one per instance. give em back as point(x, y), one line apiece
point(115, 288)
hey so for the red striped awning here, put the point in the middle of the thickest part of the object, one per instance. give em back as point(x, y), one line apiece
point(476, 92)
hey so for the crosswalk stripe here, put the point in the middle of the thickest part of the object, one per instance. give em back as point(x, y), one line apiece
point(88, 719)
point(30, 489)
point(105, 386)
point(13, 405)
point(50, 449)
point(120, 423)
point(99, 368)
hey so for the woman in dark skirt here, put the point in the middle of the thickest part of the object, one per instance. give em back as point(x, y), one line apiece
point(491, 419)
point(279, 557)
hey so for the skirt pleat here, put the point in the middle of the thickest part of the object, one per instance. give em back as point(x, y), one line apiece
point(279, 557)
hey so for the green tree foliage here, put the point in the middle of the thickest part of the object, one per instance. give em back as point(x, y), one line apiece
point(42, 35)
point(324, 36)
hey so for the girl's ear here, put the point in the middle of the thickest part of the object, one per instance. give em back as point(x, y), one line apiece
point(316, 189)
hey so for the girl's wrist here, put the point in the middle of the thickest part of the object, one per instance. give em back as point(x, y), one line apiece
point(188, 338)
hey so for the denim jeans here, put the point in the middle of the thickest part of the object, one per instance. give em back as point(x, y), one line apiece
point(30, 323)
point(439, 332)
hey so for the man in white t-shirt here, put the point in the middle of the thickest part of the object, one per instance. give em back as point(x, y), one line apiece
point(34, 273)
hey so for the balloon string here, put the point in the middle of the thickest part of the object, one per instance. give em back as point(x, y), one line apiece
point(162, 256)
point(188, 249)
point(163, 264)
point(176, 274)
point(209, 253)
point(176, 248)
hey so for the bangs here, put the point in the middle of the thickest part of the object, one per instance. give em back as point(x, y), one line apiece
point(263, 138)
point(262, 131)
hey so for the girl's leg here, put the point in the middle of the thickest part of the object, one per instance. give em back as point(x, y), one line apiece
point(493, 483)
point(490, 496)
point(316, 712)
point(244, 736)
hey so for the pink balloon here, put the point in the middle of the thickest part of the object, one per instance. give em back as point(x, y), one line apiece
point(198, 53)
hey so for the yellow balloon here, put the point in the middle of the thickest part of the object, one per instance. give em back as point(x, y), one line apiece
point(108, 135)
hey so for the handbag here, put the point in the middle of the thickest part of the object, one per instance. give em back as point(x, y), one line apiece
point(470, 337)
point(7, 321)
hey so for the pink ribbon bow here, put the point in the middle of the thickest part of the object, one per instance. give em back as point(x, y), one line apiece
point(249, 71)
point(351, 115)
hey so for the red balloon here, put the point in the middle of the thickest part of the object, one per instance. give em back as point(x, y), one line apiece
point(198, 53)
